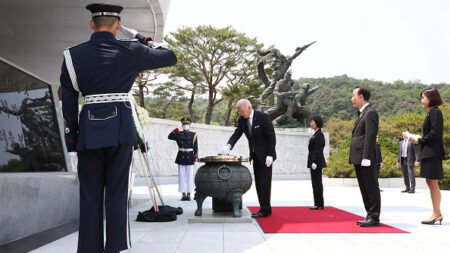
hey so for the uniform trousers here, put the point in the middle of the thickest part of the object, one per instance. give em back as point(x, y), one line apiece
point(185, 178)
point(104, 176)
point(263, 184)
point(370, 190)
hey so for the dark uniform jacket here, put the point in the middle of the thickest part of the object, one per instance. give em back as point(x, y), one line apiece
point(412, 152)
point(262, 140)
point(432, 144)
point(364, 137)
point(185, 139)
point(105, 65)
point(315, 148)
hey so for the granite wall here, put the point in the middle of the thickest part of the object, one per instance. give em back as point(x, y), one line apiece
point(292, 147)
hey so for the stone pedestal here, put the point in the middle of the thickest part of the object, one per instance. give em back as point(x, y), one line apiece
point(209, 216)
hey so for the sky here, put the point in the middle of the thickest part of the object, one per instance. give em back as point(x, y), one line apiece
point(382, 40)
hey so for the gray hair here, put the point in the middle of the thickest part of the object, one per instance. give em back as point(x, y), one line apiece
point(243, 102)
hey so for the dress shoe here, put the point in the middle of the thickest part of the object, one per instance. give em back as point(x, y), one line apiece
point(260, 215)
point(406, 190)
point(412, 191)
point(361, 221)
point(370, 222)
point(316, 208)
point(433, 221)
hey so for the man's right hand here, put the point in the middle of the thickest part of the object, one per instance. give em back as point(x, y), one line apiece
point(226, 149)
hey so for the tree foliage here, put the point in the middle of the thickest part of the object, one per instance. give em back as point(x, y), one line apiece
point(209, 56)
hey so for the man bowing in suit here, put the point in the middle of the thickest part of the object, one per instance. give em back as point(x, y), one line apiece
point(258, 129)
point(363, 155)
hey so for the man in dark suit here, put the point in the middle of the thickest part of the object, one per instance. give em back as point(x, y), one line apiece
point(363, 155)
point(103, 70)
point(258, 129)
point(407, 158)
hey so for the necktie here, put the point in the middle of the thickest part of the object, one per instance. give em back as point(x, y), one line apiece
point(249, 123)
point(359, 113)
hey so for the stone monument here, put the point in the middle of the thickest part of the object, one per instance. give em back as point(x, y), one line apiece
point(289, 106)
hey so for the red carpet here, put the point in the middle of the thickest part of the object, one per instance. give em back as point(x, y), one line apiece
point(300, 219)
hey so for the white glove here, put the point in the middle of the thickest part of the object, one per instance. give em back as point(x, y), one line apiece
point(313, 166)
point(365, 163)
point(269, 161)
point(226, 149)
point(128, 32)
point(73, 157)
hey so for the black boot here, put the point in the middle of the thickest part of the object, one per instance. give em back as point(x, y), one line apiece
point(188, 196)
point(183, 196)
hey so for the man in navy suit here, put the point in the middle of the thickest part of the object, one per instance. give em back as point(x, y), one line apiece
point(258, 129)
point(103, 70)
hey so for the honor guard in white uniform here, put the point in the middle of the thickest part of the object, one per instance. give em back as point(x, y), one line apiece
point(103, 70)
point(187, 155)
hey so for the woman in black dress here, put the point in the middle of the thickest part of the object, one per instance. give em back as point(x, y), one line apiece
point(432, 150)
point(316, 161)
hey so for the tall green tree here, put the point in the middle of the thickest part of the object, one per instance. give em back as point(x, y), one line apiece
point(168, 102)
point(207, 55)
point(141, 84)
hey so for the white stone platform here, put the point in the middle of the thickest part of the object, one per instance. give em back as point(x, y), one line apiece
point(401, 210)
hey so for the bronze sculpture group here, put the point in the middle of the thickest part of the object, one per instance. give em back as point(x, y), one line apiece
point(289, 106)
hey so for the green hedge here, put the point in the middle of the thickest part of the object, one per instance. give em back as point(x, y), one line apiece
point(339, 167)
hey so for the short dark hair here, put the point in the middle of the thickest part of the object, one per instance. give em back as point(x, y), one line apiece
point(104, 21)
point(433, 96)
point(318, 120)
point(363, 90)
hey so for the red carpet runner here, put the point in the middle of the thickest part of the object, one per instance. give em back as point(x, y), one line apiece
point(300, 219)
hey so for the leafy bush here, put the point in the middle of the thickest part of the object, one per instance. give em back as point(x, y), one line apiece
point(444, 184)
point(338, 165)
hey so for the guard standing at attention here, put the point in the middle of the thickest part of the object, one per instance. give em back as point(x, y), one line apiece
point(103, 70)
point(187, 155)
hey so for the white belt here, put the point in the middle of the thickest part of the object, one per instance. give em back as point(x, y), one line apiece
point(106, 98)
point(186, 149)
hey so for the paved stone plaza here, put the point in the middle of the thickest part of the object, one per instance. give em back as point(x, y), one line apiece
point(404, 211)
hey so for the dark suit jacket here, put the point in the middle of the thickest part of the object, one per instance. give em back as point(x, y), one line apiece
point(379, 157)
point(364, 137)
point(432, 143)
point(262, 140)
point(412, 153)
point(315, 148)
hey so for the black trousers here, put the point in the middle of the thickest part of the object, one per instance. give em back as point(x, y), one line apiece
point(263, 184)
point(370, 191)
point(408, 174)
point(316, 181)
point(104, 176)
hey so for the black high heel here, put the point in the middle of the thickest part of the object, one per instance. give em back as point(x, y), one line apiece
point(433, 221)
point(316, 208)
